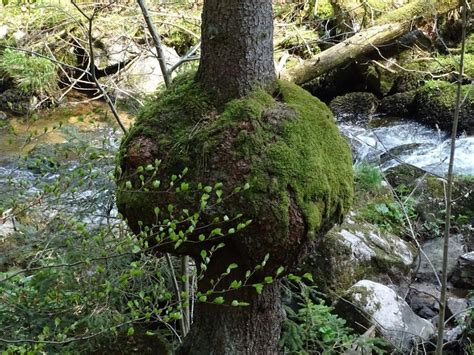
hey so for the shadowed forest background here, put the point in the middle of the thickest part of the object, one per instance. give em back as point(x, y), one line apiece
point(236, 177)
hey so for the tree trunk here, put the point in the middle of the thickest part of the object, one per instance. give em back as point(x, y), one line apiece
point(387, 28)
point(237, 47)
point(225, 329)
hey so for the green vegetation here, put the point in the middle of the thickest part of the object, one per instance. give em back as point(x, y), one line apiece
point(32, 75)
point(368, 177)
point(313, 328)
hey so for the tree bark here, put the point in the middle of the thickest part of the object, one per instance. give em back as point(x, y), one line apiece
point(237, 47)
point(225, 329)
point(397, 23)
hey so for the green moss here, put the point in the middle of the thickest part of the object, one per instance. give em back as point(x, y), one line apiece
point(408, 12)
point(289, 141)
point(444, 93)
point(470, 44)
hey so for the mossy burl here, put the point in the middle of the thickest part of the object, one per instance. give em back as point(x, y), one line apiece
point(285, 145)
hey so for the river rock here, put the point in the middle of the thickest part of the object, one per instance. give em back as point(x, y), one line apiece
point(358, 250)
point(369, 303)
point(433, 251)
point(463, 274)
point(430, 199)
point(435, 102)
point(355, 105)
point(399, 104)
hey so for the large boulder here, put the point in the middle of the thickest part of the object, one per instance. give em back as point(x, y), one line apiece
point(358, 250)
point(432, 257)
point(368, 303)
point(399, 104)
point(435, 102)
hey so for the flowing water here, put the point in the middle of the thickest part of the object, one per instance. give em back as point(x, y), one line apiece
point(395, 142)
point(405, 141)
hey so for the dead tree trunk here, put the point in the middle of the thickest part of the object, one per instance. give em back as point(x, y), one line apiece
point(388, 28)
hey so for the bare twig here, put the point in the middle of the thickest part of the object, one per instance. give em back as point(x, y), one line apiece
point(449, 188)
point(156, 40)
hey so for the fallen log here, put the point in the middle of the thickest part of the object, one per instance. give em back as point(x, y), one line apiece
point(387, 28)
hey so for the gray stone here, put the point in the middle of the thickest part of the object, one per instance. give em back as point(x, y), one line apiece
point(463, 274)
point(368, 303)
point(433, 249)
point(358, 250)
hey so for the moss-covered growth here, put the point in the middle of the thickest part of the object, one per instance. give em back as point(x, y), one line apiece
point(285, 145)
point(435, 103)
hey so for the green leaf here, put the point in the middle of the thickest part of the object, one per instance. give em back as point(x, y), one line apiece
point(128, 185)
point(203, 254)
point(258, 288)
point(235, 303)
point(156, 184)
point(246, 186)
point(219, 300)
point(136, 249)
point(280, 270)
point(202, 298)
point(268, 279)
point(235, 284)
point(308, 276)
point(130, 331)
point(207, 189)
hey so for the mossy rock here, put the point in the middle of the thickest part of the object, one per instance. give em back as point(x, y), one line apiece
point(355, 105)
point(399, 105)
point(406, 82)
point(357, 250)
point(285, 145)
point(435, 103)
point(430, 199)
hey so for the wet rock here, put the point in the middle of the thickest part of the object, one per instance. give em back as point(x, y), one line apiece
point(463, 274)
point(399, 104)
point(357, 250)
point(433, 251)
point(354, 106)
point(398, 151)
point(368, 303)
